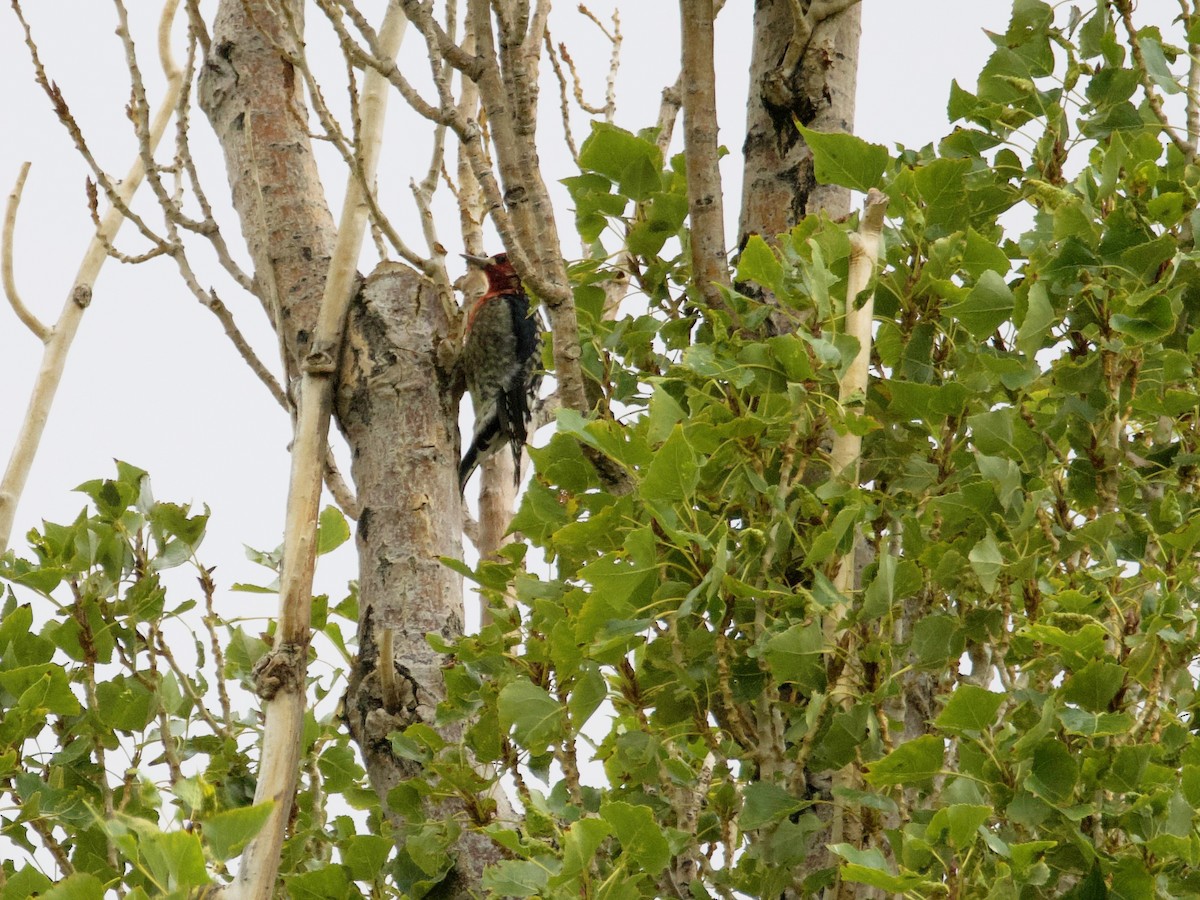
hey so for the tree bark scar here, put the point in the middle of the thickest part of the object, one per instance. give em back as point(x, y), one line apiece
point(279, 670)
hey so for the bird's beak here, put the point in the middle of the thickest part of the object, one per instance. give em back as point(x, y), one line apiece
point(479, 262)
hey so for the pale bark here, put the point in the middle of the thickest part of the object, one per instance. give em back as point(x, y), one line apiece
point(866, 247)
point(281, 674)
point(779, 187)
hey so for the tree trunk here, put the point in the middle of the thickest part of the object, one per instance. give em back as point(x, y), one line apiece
point(396, 405)
point(778, 186)
point(400, 414)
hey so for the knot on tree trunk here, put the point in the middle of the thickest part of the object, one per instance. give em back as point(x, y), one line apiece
point(280, 669)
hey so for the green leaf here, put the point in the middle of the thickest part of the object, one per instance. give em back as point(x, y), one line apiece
point(961, 821)
point(674, 471)
point(970, 709)
point(1039, 319)
point(940, 184)
point(329, 882)
point(987, 561)
point(765, 803)
point(1154, 319)
point(640, 835)
point(80, 886)
point(1054, 772)
point(1156, 63)
point(175, 857)
point(1078, 721)
point(632, 162)
point(869, 867)
point(797, 656)
point(758, 263)
point(124, 704)
point(366, 856)
point(536, 718)
point(845, 160)
point(936, 640)
point(587, 693)
point(516, 878)
point(227, 833)
point(989, 303)
point(913, 762)
point(1093, 686)
point(580, 844)
point(332, 530)
point(982, 255)
point(41, 688)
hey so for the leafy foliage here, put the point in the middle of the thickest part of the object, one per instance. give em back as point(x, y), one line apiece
point(1003, 707)
point(123, 758)
point(1006, 706)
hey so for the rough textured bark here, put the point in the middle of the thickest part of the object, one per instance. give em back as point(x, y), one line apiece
point(778, 187)
point(254, 99)
point(395, 403)
point(706, 209)
point(400, 413)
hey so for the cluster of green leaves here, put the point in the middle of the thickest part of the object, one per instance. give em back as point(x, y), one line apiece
point(124, 761)
point(1021, 712)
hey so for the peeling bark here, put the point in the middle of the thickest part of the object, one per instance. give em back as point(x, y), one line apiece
point(396, 405)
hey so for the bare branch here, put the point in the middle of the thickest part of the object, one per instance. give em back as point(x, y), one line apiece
point(55, 355)
point(564, 96)
point(341, 490)
point(615, 38)
point(63, 112)
point(32, 322)
point(668, 111)
point(576, 82)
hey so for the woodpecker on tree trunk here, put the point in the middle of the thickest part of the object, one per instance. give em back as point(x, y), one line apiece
point(501, 360)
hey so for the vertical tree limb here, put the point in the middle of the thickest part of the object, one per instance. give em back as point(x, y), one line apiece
point(844, 464)
point(710, 267)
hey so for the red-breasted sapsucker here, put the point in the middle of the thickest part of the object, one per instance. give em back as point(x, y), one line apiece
point(502, 362)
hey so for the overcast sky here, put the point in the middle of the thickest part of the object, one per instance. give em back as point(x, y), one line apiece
point(151, 378)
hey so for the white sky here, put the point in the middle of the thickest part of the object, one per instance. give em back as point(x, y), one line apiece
point(151, 378)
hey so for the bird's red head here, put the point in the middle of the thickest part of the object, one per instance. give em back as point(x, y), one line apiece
point(502, 277)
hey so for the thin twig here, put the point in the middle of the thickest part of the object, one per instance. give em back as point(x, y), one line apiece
point(564, 102)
